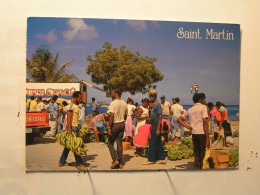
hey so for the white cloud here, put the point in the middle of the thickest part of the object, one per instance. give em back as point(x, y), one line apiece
point(79, 30)
point(137, 25)
point(50, 36)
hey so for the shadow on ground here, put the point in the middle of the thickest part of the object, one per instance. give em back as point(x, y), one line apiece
point(126, 158)
point(39, 140)
point(189, 165)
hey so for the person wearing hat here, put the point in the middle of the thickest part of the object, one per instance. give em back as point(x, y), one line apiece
point(166, 107)
point(142, 114)
point(156, 152)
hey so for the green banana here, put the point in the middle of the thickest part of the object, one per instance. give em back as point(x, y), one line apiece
point(72, 143)
point(77, 143)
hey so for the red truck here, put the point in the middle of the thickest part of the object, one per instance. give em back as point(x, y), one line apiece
point(37, 123)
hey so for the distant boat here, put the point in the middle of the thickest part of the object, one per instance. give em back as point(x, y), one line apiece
point(104, 106)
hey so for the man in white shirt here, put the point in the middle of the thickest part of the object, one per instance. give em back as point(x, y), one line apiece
point(176, 111)
point(198, 116)
point(166, 106)
point(118, 113)
point(40, 104)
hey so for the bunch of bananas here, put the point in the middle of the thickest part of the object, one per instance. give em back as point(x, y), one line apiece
point(83, 131)
point(73, 143)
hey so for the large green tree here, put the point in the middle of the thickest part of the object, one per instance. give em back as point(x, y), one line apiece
point(43, 67)
point(123, 69)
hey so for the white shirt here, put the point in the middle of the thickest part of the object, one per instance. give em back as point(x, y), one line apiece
point(119, 108)
point(40, 106)
point(130, 108)
point(81, 119)
point(177, 110)
point(196, 114)
point(165, 108)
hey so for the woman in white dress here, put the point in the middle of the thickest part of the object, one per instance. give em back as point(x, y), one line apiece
point(129, 127)
point(142, 114)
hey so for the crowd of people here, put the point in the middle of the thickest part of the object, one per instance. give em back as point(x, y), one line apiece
point(152, 123)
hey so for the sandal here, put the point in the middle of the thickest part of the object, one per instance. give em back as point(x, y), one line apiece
point(148, 163)
point(114, 164)
point(161, 162)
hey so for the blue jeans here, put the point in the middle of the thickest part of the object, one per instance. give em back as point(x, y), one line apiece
point(166, 117)
point(176, 125)
point(156, 151)
point(66, 151)
point(59, 127)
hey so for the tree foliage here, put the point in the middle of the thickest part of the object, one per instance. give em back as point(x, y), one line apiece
point(123, 69)
point(43, 67)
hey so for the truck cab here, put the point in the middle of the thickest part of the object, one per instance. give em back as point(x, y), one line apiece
point(37, 123)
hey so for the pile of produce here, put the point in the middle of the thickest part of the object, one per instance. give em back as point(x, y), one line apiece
point(103, 137)
point(234, 157)
point(88, 135)
point(182, 151)
point(188, 142)
point(143, 152)
point(73, 143)
point(83, 131)
point(236, 133)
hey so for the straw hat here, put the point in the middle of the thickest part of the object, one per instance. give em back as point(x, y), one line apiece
point(153, 92)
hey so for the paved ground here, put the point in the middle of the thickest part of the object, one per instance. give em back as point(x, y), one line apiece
point(44, 154)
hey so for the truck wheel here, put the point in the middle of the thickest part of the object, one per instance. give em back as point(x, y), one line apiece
point(29, 138)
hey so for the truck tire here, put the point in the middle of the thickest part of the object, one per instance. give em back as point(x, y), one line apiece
point(29, 138)
point(39, 130)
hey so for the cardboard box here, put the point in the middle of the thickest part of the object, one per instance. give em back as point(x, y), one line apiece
point(220, 159)
point(126, 145)
point(221, 166)
point(223, 158)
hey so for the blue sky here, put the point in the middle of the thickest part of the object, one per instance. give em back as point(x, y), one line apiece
point(214, 64)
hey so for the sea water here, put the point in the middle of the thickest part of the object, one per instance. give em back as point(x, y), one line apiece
point(232, 111)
